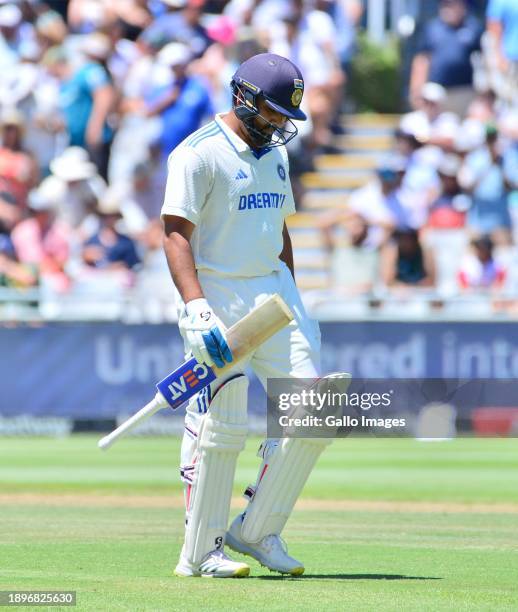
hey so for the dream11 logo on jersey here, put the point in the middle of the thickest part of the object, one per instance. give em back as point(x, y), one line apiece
point(265, 199)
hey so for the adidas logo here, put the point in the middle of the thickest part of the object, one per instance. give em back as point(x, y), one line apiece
point(241, 175)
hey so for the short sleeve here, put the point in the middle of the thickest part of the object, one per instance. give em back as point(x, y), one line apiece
point(95, 76)
point(425, 40)
point(188, 184)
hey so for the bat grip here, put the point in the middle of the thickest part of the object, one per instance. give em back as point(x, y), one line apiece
point(156, 404)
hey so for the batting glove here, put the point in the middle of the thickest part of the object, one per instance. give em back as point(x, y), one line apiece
point(204, 334)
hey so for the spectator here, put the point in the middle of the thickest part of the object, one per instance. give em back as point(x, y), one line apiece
point(257, 15)
point(448, 209)
point(405, 262)
point(18, 169)
point(86, 98)
point(479, 270)
point(85, 16)
point(10, 213)
point(471, 134)
point(122, 55)
point(482, 109)
point(144, 74)
point(502, 24)
point(144, 192)
point(10, 34)
point(12, 273)
point(379, 201)
point(429, 117)
point(346, 15)
point(134, 16)
point(51, 30)
point(484, 176)
point(136, 132)
point(444, 56)
point(354, 261)
point(19, 80)
point(420, 181)
point(181, 105)
point(181, 23)
point(133, 221)
point(41, 240)
point(83, 187)
point(29, 87)
point(108, 249)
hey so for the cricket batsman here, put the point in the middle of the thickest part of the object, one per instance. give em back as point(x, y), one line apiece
point(227, 197)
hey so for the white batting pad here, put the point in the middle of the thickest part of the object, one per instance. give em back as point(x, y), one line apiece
point(283, 478)
point(285, 469)
point(221, 438)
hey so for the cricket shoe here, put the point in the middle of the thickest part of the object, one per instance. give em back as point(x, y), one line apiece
point(214, 565)
point(271, 551)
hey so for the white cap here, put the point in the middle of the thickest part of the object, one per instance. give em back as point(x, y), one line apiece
point(175, 3)
point(416, 124)
point(174, 54)
point(393, 163)
point(110, 202)
point(11, 116)
point(10, 16)
point(73, 165)
point(433, 92)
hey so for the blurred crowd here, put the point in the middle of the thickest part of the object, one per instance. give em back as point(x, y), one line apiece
point(94, 95)
point(440, 213)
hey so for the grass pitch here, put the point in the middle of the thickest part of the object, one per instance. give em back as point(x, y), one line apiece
point(382, 525)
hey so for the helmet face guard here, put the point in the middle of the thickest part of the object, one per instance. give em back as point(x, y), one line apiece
point(245, 98)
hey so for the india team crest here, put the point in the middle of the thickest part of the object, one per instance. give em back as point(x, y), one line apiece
point(296, 97)
point(281, 171)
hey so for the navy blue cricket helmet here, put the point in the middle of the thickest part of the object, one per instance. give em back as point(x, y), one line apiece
point(279, 82)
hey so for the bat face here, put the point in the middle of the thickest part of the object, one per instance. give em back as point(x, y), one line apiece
point(185, 381)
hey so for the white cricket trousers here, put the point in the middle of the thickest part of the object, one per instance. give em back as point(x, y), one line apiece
point(292, 352)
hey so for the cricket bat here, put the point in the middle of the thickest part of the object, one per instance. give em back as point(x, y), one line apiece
point(243, 338)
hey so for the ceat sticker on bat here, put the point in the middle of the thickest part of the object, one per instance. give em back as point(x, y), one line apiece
point(185, 381)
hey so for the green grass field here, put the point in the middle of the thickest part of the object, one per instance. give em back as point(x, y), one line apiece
point(382, 525)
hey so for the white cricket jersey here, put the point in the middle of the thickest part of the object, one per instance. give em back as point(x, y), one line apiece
point(237, 200)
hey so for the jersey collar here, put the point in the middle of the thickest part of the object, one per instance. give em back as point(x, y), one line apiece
point(237, 143)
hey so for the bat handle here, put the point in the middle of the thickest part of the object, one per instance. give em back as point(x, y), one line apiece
point(156, 404)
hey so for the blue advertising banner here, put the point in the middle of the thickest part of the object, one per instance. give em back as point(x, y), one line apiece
point(98, 370)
